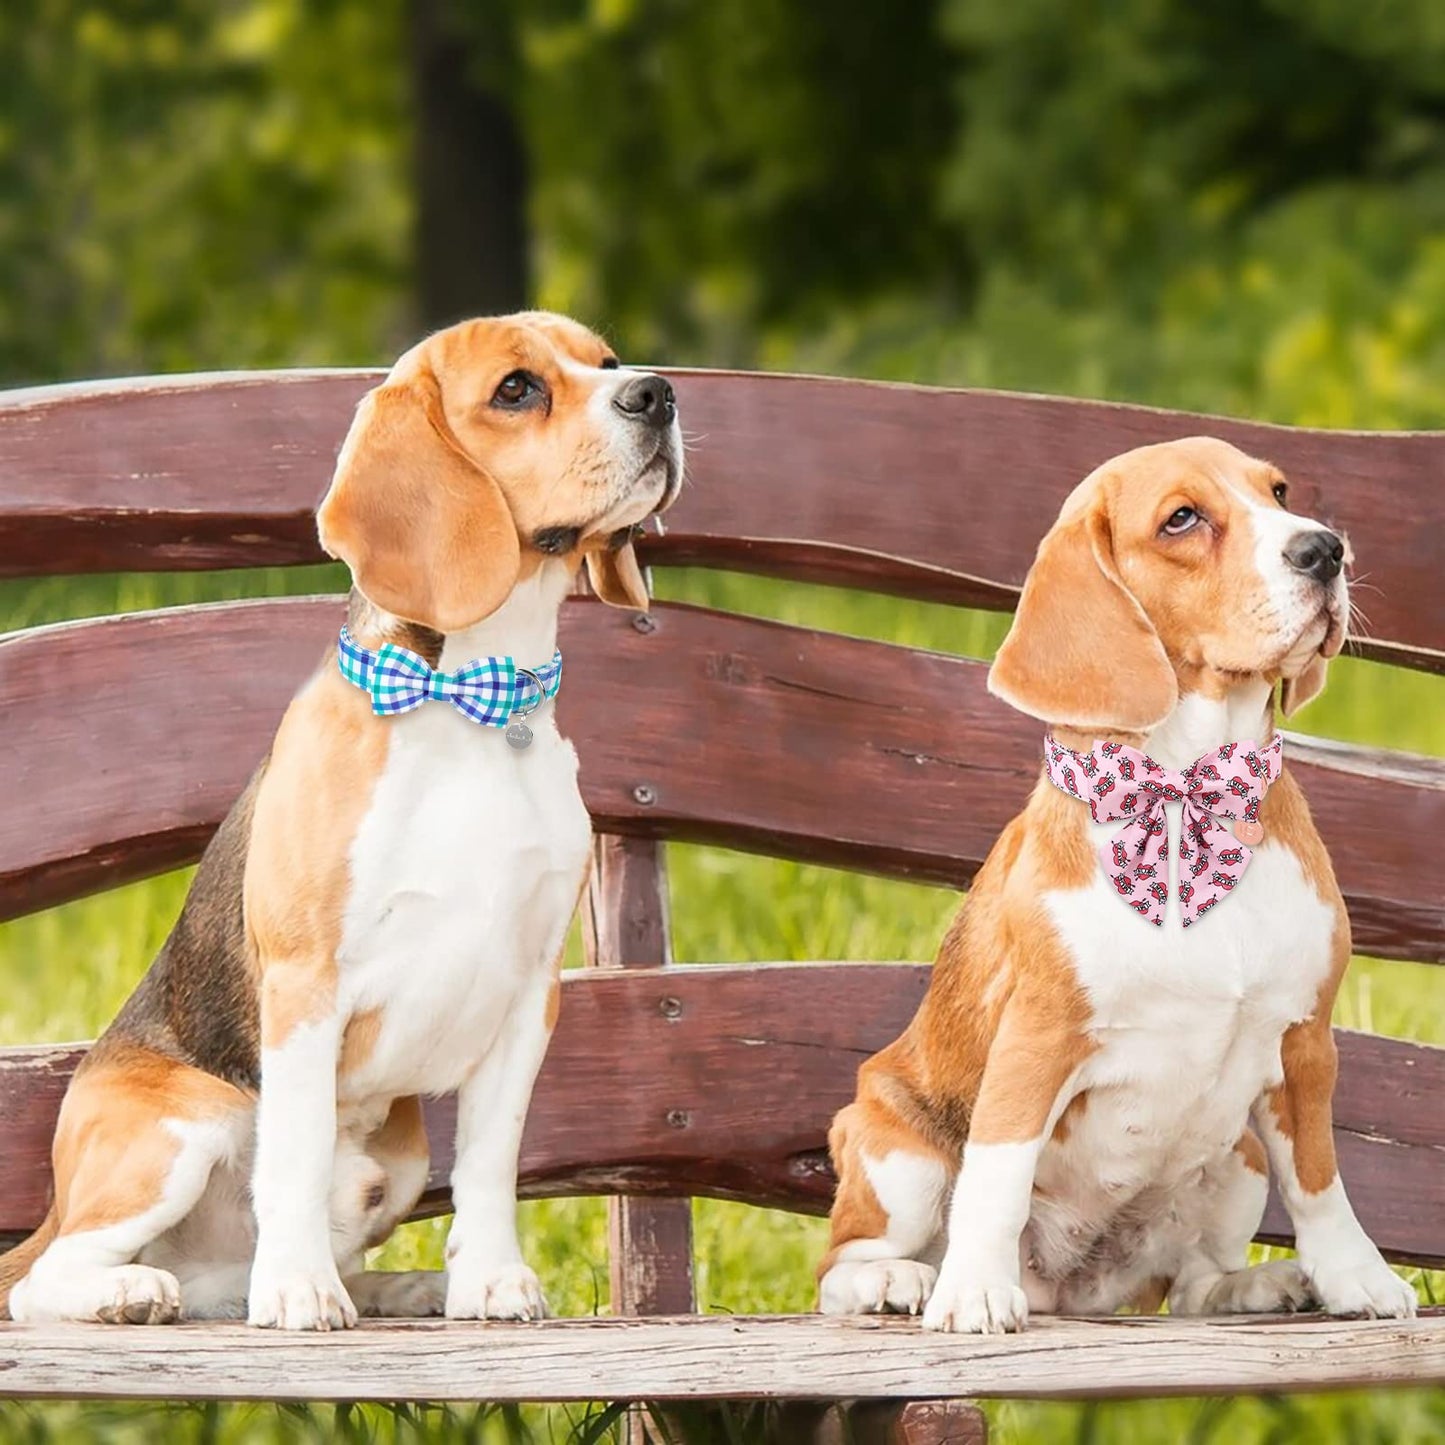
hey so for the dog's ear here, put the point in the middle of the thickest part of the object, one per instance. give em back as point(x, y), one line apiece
point(426, 532)
point(1295, 692)
point(1081, 651)
point(616, 576)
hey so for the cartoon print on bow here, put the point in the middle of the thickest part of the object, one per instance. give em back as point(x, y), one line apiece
point(1125, 784)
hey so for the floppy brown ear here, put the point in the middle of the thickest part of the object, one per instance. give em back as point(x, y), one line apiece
point(1295, 692)
point(426, 532)
point(616, 577)
point(1081, 651)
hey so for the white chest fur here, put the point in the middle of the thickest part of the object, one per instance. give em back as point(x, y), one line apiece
point(1188, 1022)
point(465, 873)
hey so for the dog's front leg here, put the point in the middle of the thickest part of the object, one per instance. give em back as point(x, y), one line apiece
point(1295, 1121)
point(294, 1280)
point(1022, 1092)
point(487, 1278)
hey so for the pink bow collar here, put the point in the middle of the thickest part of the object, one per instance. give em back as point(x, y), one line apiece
point(1118, 781)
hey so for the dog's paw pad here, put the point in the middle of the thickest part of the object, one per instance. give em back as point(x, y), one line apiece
point(876, 1286)
point(140, 1295)
point(976, 1309)
point(509, 1292)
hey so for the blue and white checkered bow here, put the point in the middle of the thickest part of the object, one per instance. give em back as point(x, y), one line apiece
point(489, 690)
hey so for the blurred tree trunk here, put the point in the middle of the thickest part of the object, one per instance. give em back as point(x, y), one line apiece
point(470, 166)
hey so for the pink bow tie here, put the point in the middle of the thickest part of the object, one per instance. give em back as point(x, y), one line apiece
point(1118, 781)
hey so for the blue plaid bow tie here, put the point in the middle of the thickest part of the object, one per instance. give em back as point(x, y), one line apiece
point(489, 690)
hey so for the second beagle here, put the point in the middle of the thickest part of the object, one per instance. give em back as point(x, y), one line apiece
point(1082, 1114)
point(382, 914)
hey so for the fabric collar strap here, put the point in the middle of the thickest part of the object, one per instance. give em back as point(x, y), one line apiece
point(488, 690)
point(1118, 781)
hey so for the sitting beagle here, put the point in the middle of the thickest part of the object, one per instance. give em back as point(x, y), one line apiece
point(1132, 997)
point(382, 914)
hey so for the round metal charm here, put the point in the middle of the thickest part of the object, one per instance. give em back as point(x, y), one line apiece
point(519, 735)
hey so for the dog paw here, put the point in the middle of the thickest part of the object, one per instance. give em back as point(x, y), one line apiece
point(875, 1287)
point(139, 1295)
point(299, 1300)
point(969, 1307)
point(1279, 1286)
point(506, 1292)
point(1367, 1287)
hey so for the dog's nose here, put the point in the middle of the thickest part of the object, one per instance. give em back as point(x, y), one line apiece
point(1317, 554)
point(648, 398)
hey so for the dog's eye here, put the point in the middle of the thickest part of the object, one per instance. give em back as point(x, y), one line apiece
point(609, 363)
point(1179, 521)
point(516, 389)
point(1281, 493)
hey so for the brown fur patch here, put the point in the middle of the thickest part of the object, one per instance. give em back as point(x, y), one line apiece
point(1073, 1112)
point(869, 1126)
point(1302, 1105)
point(328, 753)
point(401, 1141)
point(1252, 1153)
point(112, 1151)
point(1150, 1296)
point(358, 1040)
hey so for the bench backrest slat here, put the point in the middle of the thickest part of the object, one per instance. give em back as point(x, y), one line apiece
point(818, 747)
point(721, 1080)
point(927, 493)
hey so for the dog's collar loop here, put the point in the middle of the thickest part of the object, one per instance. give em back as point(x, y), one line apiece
point(493, 691)
point(1120, 782)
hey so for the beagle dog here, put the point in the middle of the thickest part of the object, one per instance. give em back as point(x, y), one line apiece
point(1081, 1116)
point(382, 914)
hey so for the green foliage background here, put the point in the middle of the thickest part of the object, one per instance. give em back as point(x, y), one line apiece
point(1236, 207)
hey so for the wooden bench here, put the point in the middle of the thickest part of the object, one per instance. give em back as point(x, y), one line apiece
point(665, 1081)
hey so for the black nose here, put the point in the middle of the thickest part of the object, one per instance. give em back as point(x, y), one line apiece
point(1317, 554)
point(648, 398)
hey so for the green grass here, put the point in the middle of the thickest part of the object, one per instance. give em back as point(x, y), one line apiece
point(66, 971)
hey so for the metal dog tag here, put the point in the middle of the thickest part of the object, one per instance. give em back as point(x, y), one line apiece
point(519, 735)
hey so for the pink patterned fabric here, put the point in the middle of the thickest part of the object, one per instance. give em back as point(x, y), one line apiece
point(1118, 781)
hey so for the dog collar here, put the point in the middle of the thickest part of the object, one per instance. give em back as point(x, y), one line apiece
point(492, 691)
point(1118, 781)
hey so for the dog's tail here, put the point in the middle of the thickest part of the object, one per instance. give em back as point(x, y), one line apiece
point(15, 1264)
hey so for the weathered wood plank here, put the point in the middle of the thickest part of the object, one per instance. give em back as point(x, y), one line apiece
point(850, 482)
point(802, 1357)
point(649, 1244)
point(625, 925)
point(723, 1079)
point(924, 768)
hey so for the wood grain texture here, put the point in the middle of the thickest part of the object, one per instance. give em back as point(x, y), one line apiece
point(625, 925)
point(649, 1246)
point(722, 1080)
point(922, 771)
point(625, 909)
point(938, 1422)
point(802, 1357)
point(851, 482)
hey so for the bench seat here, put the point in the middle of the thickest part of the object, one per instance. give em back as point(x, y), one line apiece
point(691, 1357)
